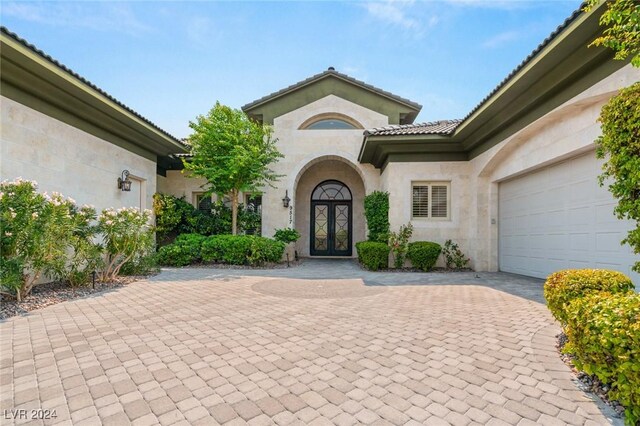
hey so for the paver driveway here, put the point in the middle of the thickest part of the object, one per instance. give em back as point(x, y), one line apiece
point(205, 346)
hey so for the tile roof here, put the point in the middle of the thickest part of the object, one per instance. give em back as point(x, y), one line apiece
point(442, 127)
point(332, 72)
point(63, 67)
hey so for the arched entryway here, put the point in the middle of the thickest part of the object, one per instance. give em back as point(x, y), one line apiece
point(335, 187)
point(331, 219)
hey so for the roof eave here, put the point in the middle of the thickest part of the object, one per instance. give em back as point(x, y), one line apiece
point(27, 74)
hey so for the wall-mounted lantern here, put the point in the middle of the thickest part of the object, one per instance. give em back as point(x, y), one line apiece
point(286, 199)
point(124, 184)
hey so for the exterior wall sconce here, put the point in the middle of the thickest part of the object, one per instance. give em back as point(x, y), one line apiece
point(286, 199)
point(124, 184)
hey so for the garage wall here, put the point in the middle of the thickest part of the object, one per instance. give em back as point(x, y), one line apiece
point(564, 134)
point(558, 218)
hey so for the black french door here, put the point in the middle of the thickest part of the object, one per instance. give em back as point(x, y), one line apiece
point(331, 228)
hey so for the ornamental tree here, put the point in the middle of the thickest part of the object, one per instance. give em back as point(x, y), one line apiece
point(620, 117)
point(233, 153)
point(622, 19)
point(620, 145)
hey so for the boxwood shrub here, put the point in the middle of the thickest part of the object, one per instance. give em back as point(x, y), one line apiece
point(241, 249)
point(373, 255)
point(563, 287)
point(185, 250)
point(604, 337)
point(424, 254)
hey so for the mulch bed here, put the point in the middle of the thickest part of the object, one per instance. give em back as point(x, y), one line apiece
point(292, 264)
point(587, 382)
point(55, 292)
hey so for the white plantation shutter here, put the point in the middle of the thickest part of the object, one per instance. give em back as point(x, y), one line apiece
point(430, 200)
point(420, 201)
point(439, 201)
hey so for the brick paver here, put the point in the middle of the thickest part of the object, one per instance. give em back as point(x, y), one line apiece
point(205, 346)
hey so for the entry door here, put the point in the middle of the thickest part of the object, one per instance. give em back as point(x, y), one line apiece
point(331, 233)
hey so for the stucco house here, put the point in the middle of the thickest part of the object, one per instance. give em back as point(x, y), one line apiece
point(514, 182)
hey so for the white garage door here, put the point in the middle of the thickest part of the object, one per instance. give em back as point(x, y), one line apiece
point(559, 217)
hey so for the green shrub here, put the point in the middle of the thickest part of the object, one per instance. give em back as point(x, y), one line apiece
point(604, 337)
point(398, 242)
point(241, 249)
point(175, 216)
point(185, 250)
point(376, 210)
point(127, 234)
point(373, 255)
point(286, 235)
point(42, 235)
point(453, 256)
point(265, 250)
point(423, 254)
point(562, 287)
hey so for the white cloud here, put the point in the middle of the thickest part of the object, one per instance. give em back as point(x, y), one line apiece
point(103, 16)
point(501, 39)
point(393, 12)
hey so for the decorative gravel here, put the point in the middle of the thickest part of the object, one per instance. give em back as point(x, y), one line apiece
point(55, 292)
point(587, 382)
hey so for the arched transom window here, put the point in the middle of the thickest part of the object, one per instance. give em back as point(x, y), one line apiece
point(330, 121)
point(331, 190)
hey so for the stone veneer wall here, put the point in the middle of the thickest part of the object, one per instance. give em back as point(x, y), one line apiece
point(65, 159)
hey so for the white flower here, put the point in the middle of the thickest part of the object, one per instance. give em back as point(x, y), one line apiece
point(8, 234)
point(108, 222)
point(34, 215)
point(13, 215)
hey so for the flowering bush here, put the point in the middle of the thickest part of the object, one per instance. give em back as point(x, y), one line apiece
point(126, 233)
point(86, 256)
point(49, 235)
point(37, 231)
point(453, 256)
point(398, 242)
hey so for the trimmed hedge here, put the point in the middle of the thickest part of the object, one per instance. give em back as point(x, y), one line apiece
point(373, 255)
point(241, 249)
point(604, 337)
point(231, 249)
point(423, 254)
point(563, 287)
point(184, 251)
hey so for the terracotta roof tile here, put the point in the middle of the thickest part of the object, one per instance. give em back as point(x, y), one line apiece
point(442, 127)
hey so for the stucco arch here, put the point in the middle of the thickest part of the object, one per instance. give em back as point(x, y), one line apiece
point(514, 144)
point(307, 178)
point(315, 159)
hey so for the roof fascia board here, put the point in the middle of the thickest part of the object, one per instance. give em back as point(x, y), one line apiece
point(47, 108)
point(36, 64)
point(522, 73)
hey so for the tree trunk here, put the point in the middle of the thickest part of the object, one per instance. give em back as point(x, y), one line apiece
point(234, 212)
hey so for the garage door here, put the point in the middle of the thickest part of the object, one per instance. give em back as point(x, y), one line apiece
point(559, 217)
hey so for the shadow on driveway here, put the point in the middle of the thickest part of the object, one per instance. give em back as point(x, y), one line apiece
point(335, 269)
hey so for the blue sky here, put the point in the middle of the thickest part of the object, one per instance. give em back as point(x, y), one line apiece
point(170, 61)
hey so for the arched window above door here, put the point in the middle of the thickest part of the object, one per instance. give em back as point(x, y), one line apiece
point(330, 121)
point(331, 190)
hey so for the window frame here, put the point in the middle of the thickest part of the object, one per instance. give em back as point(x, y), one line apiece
point(430, 184)
point(197, 198)
point(331, 116)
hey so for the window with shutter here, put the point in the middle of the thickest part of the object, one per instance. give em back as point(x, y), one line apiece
point(430, 200)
